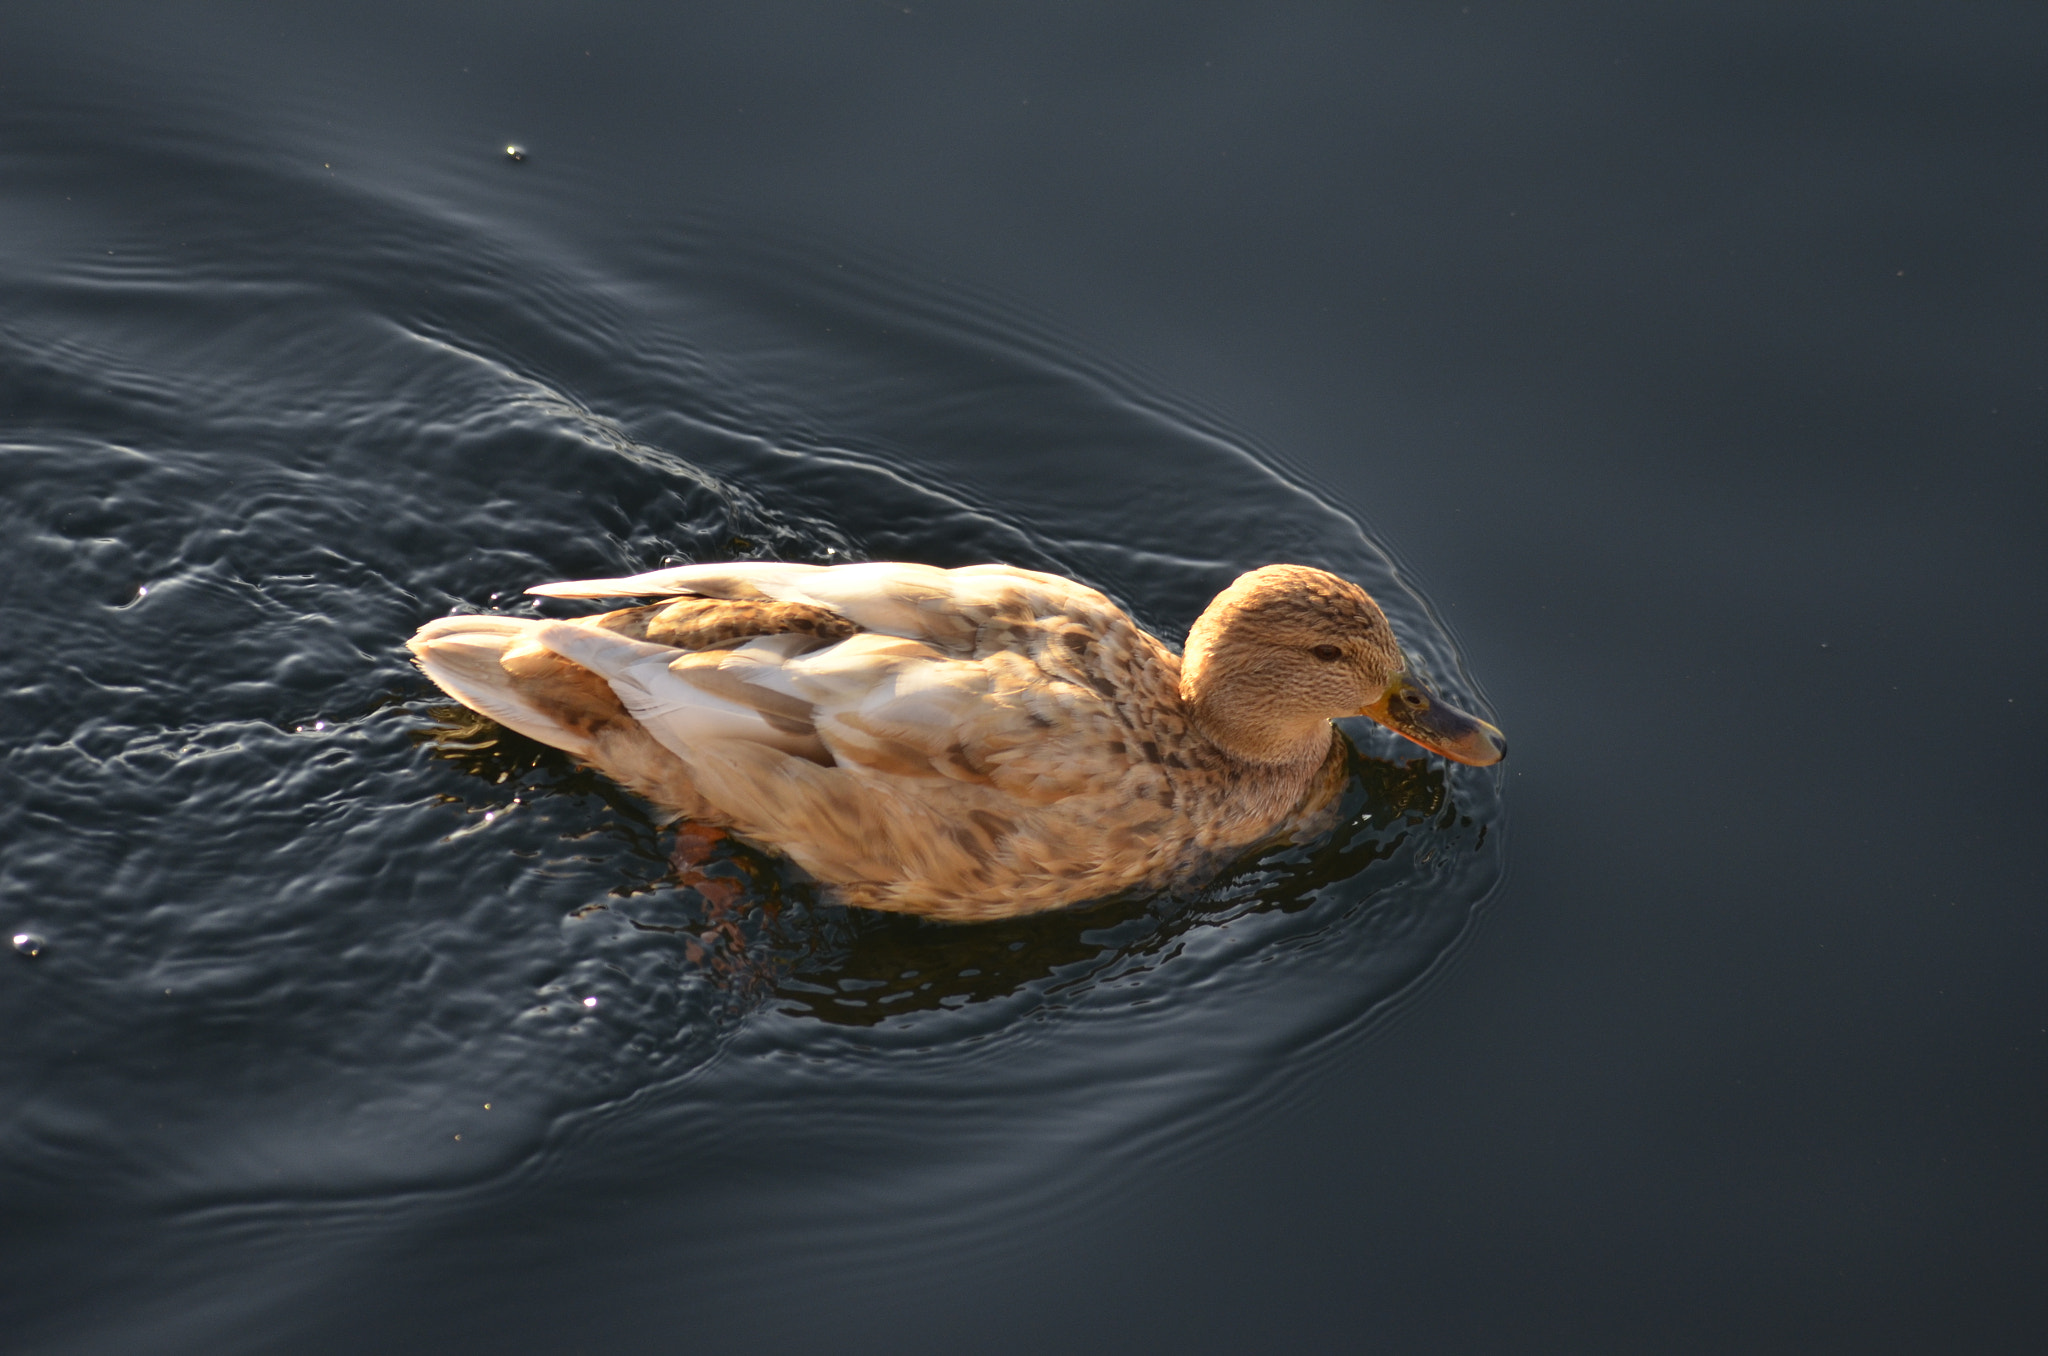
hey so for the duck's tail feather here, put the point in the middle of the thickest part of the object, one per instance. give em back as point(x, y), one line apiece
point(498, 667)
point(466, 657)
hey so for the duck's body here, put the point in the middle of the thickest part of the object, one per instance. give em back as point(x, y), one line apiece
point(964, 744)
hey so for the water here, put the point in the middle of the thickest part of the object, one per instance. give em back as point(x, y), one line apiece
point(319, 946)
point(1687, 360)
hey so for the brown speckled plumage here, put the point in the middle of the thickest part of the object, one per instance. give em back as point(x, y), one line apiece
point(964, 744)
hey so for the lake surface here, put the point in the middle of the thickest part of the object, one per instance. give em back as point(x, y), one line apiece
point(1675, 381)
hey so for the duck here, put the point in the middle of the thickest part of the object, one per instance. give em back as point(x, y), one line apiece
point(962, 744)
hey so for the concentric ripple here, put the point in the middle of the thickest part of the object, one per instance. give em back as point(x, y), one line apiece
point(313, 937)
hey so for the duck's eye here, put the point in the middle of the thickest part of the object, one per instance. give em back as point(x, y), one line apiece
point(1329, 654)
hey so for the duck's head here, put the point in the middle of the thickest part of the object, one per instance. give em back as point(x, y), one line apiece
point(1286, 649)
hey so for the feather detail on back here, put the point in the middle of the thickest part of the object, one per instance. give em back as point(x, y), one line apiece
point(958, 610)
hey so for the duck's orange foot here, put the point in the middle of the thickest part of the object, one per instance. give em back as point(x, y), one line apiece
point(695, 844)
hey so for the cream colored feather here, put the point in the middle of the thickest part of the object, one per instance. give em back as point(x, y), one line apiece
point(965, 744)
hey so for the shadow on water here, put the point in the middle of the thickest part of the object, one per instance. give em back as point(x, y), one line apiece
point(760, 931)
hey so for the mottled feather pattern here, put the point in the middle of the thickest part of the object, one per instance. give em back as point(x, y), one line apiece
point(715, 623)
point(964, 744)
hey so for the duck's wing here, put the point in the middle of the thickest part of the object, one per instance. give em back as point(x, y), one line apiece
point(963, 611)
point(986, 674)
point(885, 710)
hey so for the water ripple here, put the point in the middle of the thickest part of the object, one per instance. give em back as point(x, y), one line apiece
point(315, 938)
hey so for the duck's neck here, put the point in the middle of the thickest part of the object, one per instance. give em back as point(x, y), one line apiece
point(1246, 727)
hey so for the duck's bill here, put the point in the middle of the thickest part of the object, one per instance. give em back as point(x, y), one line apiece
point(1414, 712)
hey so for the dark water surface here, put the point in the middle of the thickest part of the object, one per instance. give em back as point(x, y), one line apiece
point(1694, 358)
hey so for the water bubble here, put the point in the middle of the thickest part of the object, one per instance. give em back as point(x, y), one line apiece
point(29, 944)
